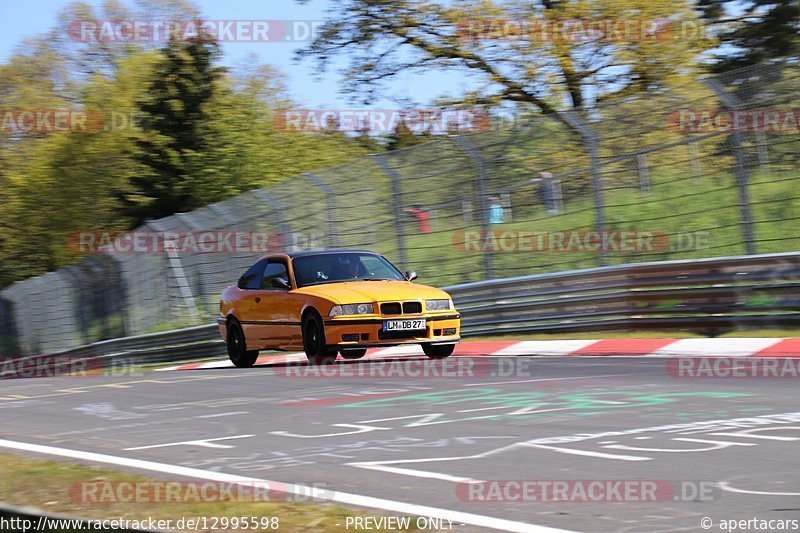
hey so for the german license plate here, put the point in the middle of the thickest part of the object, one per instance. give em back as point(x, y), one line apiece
point(403, 325)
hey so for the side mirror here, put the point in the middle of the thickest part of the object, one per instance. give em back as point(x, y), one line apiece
point(281, 283)
point(411, 275)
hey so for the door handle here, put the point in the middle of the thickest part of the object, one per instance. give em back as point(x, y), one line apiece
point(258, 299)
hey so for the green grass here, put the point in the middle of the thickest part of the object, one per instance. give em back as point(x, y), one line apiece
point(47, 485)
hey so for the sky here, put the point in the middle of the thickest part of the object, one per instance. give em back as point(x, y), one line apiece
point(27, 18)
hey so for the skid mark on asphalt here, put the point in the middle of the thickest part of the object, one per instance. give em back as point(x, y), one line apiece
point(562, 445)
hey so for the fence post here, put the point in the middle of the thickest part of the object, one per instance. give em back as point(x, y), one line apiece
point(589, 137)
point(730, 102)
point(763, 152)
point(397, 207)
point(694, 159)
point(330, 204)
point(277, 210)
point(483, 201)
point(644, 173)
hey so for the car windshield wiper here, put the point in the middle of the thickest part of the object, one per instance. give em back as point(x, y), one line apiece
point(346, 280)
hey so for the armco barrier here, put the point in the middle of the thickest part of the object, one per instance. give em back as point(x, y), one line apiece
point(706, 295)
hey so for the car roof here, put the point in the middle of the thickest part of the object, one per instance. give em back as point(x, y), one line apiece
point(301, 253)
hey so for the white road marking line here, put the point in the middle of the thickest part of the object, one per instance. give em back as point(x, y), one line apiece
point(482, 409)
point(420, 473)
point(589, 453)
point(724, 485)
point(205, 443)
point(223, 414)
point(338, 497)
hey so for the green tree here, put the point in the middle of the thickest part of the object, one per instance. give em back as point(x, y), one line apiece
point(211, 132)
point(753, 31)
point(174, 123)
point(390, 38)
point(402, 137)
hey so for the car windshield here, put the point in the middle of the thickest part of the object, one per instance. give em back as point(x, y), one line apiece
point(339, 267)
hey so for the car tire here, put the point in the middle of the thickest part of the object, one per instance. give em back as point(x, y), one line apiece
point(438, 351)
point(314, 341)
point(353, 354)
point(238, 353)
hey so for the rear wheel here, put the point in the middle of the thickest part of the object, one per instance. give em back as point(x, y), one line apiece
point(314, 341)
point(438, 351)
point(353, 354)
point(238, 353)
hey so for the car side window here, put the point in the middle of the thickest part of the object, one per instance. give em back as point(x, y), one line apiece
point(276, 269)
point(251, 280)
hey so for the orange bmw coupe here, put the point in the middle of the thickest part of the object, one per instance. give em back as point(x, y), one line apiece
point(333, 302)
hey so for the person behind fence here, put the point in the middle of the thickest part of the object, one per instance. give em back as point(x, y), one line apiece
point(495, 211)
point(551, 193)
point(422, 217)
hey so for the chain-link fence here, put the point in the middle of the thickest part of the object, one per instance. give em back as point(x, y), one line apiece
point(648, 178)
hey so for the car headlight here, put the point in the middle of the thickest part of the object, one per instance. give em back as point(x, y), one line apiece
point(352, 309)
point(438, 305)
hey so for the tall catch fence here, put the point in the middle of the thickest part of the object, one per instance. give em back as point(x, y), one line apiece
point(647, 178)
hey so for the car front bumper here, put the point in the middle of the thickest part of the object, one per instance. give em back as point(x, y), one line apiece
point(367, 332)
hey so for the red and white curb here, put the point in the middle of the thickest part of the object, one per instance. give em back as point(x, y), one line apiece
point(727, 347)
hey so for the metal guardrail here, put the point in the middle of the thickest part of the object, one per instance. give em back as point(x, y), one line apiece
point(707, 295)
point(174, 345)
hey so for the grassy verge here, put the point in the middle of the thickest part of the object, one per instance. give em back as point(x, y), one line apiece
point(47, 485)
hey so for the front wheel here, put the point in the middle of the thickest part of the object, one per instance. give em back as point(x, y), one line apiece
point(353, 354)
point(438, 351)
point(238, 353)
point(314, 341)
